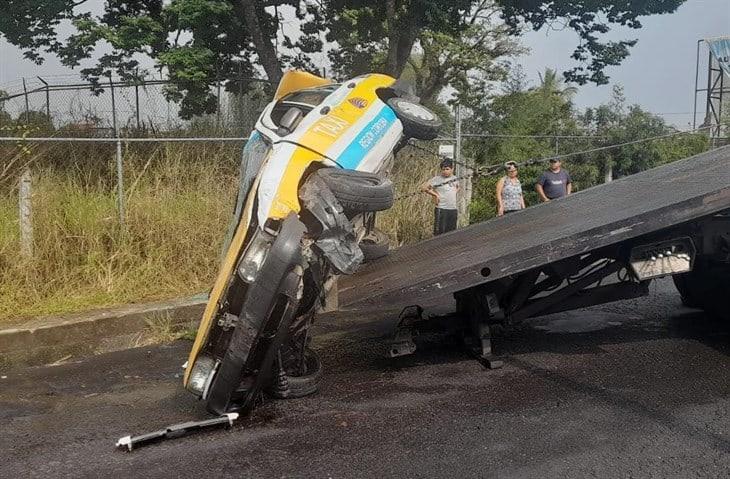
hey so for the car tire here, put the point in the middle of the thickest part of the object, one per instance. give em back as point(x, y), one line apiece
point(374, 246)
point(418, 121)
point(358, 191)
point(291, 387)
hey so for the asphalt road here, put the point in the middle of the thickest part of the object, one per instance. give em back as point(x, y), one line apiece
point(639, 388)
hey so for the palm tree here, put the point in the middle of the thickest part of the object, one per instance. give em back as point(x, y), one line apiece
point(552, 84)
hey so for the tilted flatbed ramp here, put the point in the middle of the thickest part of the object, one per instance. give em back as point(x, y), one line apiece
point(597, 217)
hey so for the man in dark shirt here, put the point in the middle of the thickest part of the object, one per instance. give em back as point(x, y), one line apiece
point(554, 183)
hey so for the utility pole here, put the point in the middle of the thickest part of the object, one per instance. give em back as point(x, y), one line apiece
point(462, 171)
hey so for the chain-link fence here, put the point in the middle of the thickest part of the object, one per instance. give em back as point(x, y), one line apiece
point(79, 229)
point(74, 108)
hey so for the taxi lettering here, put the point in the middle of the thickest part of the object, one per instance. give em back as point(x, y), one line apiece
point(331, 126)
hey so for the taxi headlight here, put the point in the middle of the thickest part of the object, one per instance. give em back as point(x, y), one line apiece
point(201, 375)
point(254, 257)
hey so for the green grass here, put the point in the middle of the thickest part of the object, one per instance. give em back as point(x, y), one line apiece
point(178, 204)
point(178, 207)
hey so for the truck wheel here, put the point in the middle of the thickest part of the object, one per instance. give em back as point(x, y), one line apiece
point(685, 291)
point(707, 286)
point(418, 121)
point(374, 246)
point(358, 191)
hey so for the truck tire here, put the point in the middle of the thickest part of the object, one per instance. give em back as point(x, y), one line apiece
point(685, 291)
point(358, 191)
point(418, 121)
point(707, 286)
point(374, 246)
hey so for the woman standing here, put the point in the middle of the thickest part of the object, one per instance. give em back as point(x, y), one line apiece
point(509, 191)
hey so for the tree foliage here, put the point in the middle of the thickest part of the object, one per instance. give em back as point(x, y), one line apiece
point(196, 41)
point(617, 123)
point(457, 43)
point(589, 19)
point(530, 118)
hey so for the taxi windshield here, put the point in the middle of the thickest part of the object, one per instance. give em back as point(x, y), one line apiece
point(311, 97)
point(254, 154)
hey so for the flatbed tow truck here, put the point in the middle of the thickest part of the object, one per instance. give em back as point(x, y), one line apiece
point(603, 244)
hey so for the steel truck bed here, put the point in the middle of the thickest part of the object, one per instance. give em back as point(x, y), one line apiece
point(609, 214)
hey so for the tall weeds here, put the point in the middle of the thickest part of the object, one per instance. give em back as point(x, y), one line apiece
point(178, 204)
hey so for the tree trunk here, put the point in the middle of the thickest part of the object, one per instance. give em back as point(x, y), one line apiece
point(434, 77)
point(400, 41)
point(268, 58)
point(392, 58)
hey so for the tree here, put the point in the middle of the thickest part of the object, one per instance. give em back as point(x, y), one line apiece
point(617, 124)
point(196, 41)
point(456, 42)
point(381, 34)
point(545, 110)
point(468, 60)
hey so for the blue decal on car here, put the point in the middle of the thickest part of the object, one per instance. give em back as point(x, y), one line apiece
point(373, 132)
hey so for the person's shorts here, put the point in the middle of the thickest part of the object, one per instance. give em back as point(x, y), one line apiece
point(444, 220)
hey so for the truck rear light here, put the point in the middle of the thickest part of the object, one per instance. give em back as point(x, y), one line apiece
point(662, 259)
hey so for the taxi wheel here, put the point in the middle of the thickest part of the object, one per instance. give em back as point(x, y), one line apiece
point(418, 121)
point(358, 191)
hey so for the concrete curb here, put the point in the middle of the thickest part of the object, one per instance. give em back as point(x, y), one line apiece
point(60, 338)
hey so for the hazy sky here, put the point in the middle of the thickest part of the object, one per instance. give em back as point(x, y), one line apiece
point(660, 72)
point(659, 75)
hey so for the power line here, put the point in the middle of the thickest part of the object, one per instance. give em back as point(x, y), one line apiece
point(619, 145)
point(496, 135)
point(489, 170)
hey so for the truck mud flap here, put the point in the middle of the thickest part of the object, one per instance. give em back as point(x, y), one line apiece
point(268, 309)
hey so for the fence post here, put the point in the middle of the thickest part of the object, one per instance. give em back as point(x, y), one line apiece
point(218, 105)
point(48, 98)
point(120, 164)
point(26, 216)
point(136, 101)
point(27, 105)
